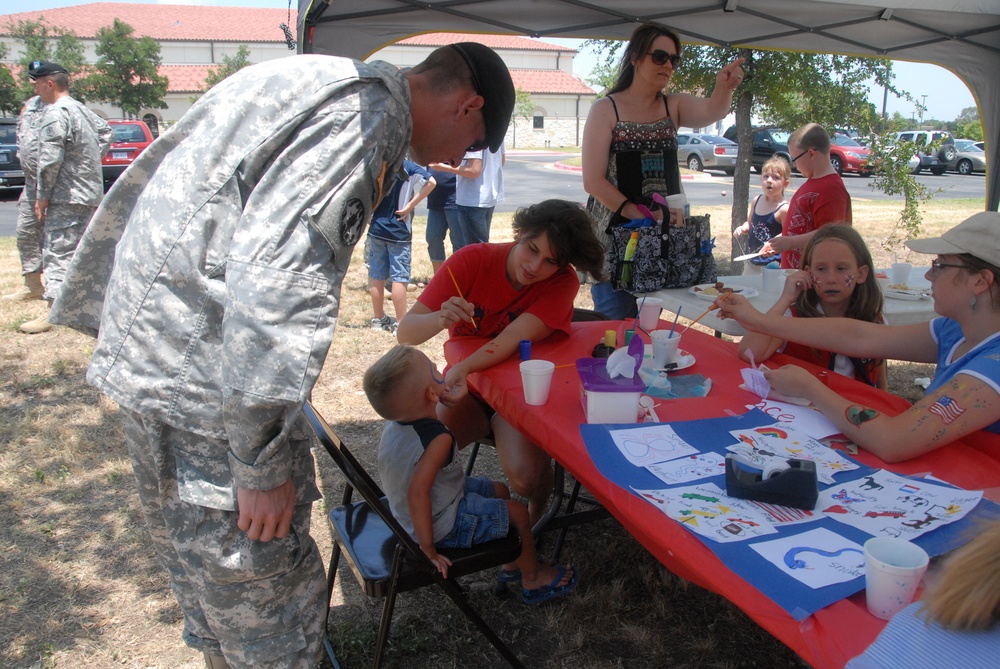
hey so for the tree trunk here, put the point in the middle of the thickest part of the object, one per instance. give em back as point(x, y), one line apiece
point(744, 136)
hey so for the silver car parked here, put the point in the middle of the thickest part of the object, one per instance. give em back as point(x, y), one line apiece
point(699, 152)
point(970, 158)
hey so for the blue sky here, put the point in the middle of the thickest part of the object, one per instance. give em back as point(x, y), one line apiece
point(946, 94)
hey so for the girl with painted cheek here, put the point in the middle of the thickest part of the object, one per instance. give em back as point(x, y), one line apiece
point(836, 281)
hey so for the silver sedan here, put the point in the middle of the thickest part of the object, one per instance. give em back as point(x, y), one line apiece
point(970, 158)
point(699, 152)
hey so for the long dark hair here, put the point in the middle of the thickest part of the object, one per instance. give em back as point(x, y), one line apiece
point(638, 46)
point(866, 300)
point(571, 234)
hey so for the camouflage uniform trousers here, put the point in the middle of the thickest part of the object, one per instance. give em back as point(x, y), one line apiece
point(30, 237)
point(261, 604)
point(64, 226)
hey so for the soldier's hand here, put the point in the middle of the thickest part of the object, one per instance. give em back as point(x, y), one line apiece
point(40, 207)
point(266, 514)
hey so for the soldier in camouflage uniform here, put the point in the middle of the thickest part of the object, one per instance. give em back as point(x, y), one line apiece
point(70, 141)
point(30, 232)
point(213, 272)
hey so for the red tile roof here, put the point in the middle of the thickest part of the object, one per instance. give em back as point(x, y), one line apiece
point(549, 81)
point(166, 22)
point(185, 78)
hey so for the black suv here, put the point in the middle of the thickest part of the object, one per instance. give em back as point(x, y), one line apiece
point(11, 174)
point(766, 143)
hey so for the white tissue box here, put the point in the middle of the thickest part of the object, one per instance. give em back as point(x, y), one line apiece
point(607, 400)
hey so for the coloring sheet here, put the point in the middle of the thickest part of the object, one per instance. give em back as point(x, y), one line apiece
point(816, 558)
point(889, 505)
point(651, 443)
point(690, 468)
point(772, 444)
point(806, 419)
point(707, 510)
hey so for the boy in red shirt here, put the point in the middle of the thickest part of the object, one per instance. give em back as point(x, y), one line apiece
point(822, 199)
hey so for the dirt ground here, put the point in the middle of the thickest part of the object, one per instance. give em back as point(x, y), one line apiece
point(81, 588)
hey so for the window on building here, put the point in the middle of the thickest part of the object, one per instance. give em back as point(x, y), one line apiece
point(538, 122)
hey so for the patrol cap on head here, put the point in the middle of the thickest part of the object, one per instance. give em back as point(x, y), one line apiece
point(978, 235)
point(491, 79)
point(41, 68)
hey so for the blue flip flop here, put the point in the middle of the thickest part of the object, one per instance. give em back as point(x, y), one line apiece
point(508, 575)
point(552, 591)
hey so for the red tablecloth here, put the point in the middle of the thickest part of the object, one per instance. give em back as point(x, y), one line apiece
point(829, 637)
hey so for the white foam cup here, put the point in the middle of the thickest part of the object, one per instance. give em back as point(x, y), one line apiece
point(772, 280)
point(901, 272)
point(536, 376)
point(649, 311)
point(664, 347)
point(893, 569)
point(677, 204)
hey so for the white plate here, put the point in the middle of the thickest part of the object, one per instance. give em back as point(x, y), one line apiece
point(906, 294)
point(698, 291)
point(684, 360)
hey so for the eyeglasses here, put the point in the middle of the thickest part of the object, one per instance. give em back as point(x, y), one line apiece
point(937, 265)
point(480, 144)
point(660, 57)
point(800, 155)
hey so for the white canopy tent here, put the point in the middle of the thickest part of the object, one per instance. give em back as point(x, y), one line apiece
point(960, 35)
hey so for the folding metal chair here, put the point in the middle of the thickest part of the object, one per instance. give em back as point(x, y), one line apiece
point(386, 560)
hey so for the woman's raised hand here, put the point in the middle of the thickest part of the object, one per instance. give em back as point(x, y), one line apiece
point(737, 308)
point(731, 75)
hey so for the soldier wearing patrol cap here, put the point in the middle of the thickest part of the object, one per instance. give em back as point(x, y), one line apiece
point(212, 274)
point(62, 173)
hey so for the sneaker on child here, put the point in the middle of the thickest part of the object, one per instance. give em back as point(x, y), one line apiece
point(385, 324)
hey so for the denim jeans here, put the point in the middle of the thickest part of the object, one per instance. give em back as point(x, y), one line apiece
point(615, 304)
point(441, 222)
point(474, 223)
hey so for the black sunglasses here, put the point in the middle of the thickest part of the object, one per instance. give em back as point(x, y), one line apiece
point(937, 265)
point(482, 143)
point(660, 57)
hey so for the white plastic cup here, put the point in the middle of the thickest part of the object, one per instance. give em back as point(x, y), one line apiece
point(536, 376)
point(901, 272)
point(665, 345)
point(677, 204)
point(893, 569)
point(649, 311)
point(773, 280)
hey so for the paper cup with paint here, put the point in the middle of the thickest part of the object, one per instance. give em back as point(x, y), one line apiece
point(664, 345)
point(893, 569)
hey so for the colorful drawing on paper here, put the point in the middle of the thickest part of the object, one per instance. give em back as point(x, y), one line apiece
point(650, 444)
point(805, 419)
point(786, 515)
point(706, 510)
point(887, 504)
point(765, 446)
point(690, 468)
point(817, 558)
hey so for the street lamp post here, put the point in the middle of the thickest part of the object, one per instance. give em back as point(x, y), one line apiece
point(923, 108)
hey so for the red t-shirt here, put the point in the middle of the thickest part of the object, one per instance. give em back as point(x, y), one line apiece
point(481, 272)
point(816, 203)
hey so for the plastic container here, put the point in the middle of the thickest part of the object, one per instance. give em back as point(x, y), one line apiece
point(607, 400)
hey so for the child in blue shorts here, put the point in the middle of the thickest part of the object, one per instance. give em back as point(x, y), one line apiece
point(425, 484)
point(389, 240)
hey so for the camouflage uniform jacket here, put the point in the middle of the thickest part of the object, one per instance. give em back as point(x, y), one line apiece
point(27, 144)
point(217, 307)
point(71, 141)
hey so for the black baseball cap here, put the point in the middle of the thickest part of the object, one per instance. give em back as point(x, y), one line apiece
point(491, 79)
point(41, 68)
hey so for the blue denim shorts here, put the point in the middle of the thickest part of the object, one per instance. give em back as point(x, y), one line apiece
point(388, 260)
point(481, 516)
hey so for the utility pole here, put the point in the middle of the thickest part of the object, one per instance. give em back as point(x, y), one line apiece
point(923, 108)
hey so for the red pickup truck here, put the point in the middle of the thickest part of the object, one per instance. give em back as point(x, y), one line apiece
point(131, 138)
